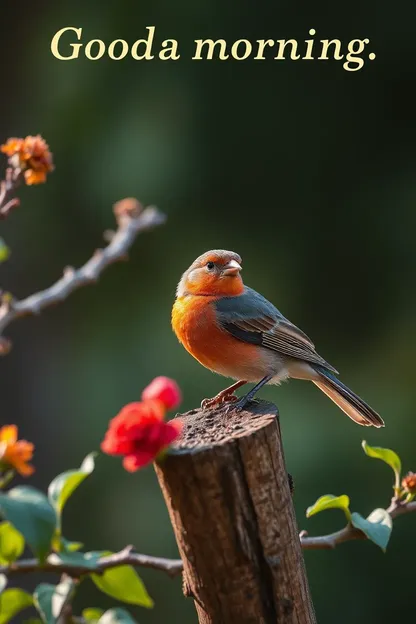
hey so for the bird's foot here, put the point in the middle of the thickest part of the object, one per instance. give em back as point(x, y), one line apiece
point(238, 406)
point(219, 399)
point(241, 403)
point(250, 396)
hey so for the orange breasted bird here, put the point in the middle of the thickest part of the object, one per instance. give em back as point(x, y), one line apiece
point(234, 331)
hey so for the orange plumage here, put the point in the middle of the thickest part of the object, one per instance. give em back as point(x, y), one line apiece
point(194, 322)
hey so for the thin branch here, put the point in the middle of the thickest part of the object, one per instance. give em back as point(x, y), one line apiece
point(7, 186)
point(331, 540)
point(172, 567)
point(131, 219)
point(348, 533)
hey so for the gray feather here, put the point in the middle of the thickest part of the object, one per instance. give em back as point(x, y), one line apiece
point(251, 318)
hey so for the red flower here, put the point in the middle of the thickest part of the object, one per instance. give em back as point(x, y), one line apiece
point(165, 390)
point(140, 434)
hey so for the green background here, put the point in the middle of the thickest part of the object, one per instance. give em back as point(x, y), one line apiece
point(304, 169)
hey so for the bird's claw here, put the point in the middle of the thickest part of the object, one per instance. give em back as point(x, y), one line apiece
point(220, 399)
point(242, 403)
point(230, 408)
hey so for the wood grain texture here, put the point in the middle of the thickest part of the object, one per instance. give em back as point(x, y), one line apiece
point(227, 491)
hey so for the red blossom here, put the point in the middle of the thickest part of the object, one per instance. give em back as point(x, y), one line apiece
point(165, 390)
point(140, 434)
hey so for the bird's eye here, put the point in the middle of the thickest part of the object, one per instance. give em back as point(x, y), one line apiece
point(210, 266)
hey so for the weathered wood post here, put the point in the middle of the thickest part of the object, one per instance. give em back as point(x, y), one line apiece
point(227, 491)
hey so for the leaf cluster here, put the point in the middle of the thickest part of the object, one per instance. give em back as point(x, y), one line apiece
point(34, 519)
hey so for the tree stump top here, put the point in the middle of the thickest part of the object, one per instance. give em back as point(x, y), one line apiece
point(210, 427)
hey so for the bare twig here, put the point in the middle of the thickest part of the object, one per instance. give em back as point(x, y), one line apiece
point(131, 219)
point(7, 186)
point(348, 533)
point(172, 567)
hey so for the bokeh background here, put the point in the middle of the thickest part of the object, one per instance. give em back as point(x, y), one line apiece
point(306, 170)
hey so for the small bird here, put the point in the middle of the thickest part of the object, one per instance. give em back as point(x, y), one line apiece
point(234, 331)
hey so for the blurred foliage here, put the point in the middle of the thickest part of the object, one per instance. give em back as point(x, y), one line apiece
point(305, 170)
point(378, 526)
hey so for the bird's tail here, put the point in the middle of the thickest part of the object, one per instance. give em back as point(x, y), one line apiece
point(350, 403)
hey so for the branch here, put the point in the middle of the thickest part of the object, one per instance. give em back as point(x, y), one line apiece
point(349, 532)
point(7, 186)
point(131, 219)
point(172, 567)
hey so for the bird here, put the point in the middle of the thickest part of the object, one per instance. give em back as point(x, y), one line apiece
point(233, 330)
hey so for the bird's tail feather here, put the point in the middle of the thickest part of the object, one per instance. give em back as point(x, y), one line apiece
point(350, 403)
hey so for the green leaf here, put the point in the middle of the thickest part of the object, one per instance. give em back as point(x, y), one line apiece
point(330, 502)
point(4, 251)
point(12, 601)
point(50, 599)
point(12, 543)
point(70, 546)
point(3, 582)
point(75, 559)
point(60, 544)
point(92, 614)
point(122, 583)
point(61, 488)
point(116, 616)
point(388, 456)
point(29, 511)
point(377, 527)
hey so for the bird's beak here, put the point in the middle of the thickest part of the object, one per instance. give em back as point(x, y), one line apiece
point(231, 268)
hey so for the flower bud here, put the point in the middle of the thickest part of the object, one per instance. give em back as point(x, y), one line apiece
point(409, 483)
point(165, 390)
point(15, 454)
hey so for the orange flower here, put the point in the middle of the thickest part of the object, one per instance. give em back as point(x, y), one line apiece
point(15, 453)
point(409, 483)
point(31, 155)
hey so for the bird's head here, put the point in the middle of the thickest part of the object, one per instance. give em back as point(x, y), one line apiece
point(216, 273)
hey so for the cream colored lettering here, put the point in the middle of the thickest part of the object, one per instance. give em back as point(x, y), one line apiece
point(282, 46)
point(238, 55)
point(101, 49)
point(148, 43)
point(121, 54)
point(211, 45)
point(75, 46)
point(170, 50)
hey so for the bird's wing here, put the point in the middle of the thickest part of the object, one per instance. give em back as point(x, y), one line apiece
point(251, 318)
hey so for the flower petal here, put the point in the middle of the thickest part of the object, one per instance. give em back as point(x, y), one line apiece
point(8, 434)
point(165, 390)
point(133, 462)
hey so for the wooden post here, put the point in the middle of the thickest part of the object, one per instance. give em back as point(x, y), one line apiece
point(227, 491)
